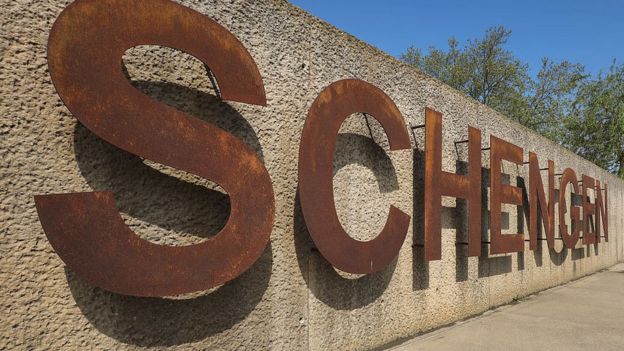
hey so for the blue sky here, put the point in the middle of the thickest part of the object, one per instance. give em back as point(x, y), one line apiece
point(586, 32)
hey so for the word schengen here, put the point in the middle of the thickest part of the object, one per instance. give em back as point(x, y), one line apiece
point(85, 48)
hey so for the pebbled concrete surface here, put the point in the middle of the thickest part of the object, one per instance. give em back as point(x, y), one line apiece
point(291, 299)
point(585, 314)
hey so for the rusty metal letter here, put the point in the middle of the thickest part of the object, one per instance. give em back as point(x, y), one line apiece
point(589, 209)
point(569, 240)
point(316, 152)
point(537, 197)
point(85, 50)
point(602, 212)
point(439, 183)
point(503, 193)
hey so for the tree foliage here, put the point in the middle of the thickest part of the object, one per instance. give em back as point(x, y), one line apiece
point(595, 126)
point(562, 101)
point(482, 69)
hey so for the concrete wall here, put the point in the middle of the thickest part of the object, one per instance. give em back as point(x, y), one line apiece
point(291, 298)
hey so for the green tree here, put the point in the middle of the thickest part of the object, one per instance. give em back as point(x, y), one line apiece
point(595, 126)
point(550, 98)
point(484, 70)
point(561, 102)
point(451, 67)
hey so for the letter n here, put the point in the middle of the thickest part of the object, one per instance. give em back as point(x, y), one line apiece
point(538, 198)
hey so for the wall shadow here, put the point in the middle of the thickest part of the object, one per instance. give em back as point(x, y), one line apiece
point(461, 247)
point(145, 322)
point(525, 213)
point(420, 266)
point(176, 205)
point(327, 285)
point(456, 218)
point(558, 258)
point(139, 189)
point(522, 218)
point(596, 249)
point(578, 253)
point(490, 266)
point(592, 225)
point(460, 223)
point(358, 149)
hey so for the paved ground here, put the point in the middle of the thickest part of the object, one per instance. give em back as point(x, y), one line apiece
point(587, 314)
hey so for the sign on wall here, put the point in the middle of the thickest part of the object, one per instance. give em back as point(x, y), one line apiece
point(85, 49)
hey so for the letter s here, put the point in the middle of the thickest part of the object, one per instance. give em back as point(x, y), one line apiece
point(85, 51)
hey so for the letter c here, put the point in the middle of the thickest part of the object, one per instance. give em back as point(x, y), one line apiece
point(316, 152)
